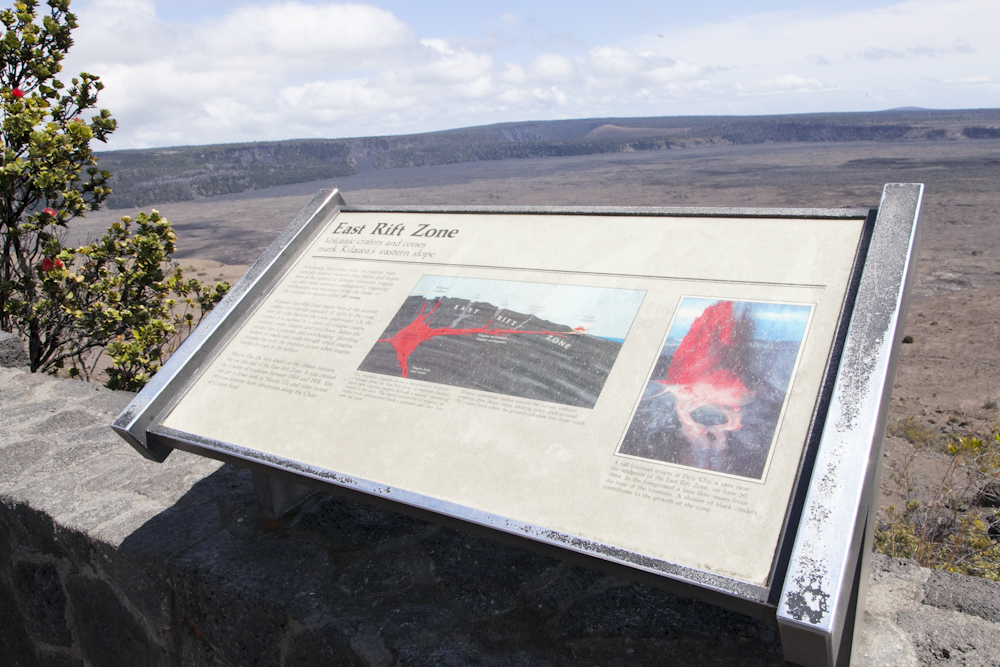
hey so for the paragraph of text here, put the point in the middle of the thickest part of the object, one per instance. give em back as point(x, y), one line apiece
point(522, 407)
point(292, 326)
point(269, 373)
point(362, 386)
point(342, 282)
point(695, 491)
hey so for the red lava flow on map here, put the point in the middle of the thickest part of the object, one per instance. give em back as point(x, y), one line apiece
point(549, 342)
point(416, 332)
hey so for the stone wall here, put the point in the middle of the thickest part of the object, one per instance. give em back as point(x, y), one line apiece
point(109, 559)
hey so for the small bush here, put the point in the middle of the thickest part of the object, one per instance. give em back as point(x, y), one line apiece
point(913, 431)
point(956, 527)
point(120, 293)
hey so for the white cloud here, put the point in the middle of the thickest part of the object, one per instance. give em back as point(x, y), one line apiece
point(282, 69)
point(872, 58)
point(613, 61)
point(449, 66)
point(293, 30)
point(552, 67)
point(514, 74)
point(551, 95)
point(779, 84)
point(876, 53)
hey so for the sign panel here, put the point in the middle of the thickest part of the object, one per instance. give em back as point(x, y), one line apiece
point(645, 382)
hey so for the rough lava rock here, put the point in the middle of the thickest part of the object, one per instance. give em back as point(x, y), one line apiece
point(12, 353)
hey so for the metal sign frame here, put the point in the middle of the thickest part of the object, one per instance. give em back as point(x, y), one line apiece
point(819, 575)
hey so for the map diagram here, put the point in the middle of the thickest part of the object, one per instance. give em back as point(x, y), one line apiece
point(718, 388)
point(548, 342)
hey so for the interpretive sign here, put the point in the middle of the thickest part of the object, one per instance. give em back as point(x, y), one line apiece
point(644, 388)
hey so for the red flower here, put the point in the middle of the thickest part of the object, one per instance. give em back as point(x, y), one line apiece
point(49, 212)
point(47, 264)
point(17, 92)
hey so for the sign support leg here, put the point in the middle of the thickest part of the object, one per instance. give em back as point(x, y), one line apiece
point(277, 497)
point(855, 610)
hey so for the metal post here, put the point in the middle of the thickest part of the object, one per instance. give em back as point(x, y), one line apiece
point(825, 583)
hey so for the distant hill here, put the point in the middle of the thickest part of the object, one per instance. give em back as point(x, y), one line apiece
point(161, 175)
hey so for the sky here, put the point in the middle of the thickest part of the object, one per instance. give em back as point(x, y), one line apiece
point(772, 321)
point(184, 72)
point(601, 311)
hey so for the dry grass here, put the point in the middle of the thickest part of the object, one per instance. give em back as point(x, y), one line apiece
point(951, 523)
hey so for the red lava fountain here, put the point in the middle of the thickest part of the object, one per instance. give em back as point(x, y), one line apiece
point(416, 332)
point(704, 372)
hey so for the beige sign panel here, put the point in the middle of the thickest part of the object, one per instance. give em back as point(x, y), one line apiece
point(642, 382)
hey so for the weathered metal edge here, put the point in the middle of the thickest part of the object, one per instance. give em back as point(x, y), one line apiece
point(802, 479)
point(816, 595)
point(133, 421)
point(692, 212)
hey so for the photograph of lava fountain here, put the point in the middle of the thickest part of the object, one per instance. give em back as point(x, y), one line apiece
point(718, 388)
point(548, 342)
